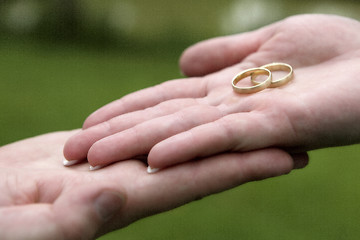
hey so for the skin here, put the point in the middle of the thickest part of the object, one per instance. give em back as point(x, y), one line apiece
point(42, 199)
point(200, 116)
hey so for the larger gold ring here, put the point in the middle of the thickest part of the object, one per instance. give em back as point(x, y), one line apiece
point(256, 88)
point(276, 67)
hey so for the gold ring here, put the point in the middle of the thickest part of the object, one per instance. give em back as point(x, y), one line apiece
point(276, 67)
point(256, 88)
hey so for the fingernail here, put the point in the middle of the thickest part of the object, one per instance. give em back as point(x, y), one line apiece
point(152, 170)
point(68, 163)
point(93, 168)
point(109, 203)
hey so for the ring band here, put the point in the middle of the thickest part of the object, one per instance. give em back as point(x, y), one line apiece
point(276, 67)
point(259, 85)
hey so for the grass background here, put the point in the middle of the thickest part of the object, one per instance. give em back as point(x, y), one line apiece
point(47, 86)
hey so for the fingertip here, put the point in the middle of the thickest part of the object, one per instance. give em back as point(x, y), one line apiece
point(73, 148)
point(69, 149)
point(157, 158)
point(89, 121)
point(100, 115)
point(301, 160)
point(191, 61)
point(278, 162)
point(94, 155)
point(173, 150)
point(160, 157)
point(100, 154)
point(104, 114)
point(215, 54)
point(153, 161)
point(210, 56)
point(186, 68)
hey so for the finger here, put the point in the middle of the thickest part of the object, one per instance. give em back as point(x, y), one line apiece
point(215, 54)
point(301, 160)
point(78, 215)
point(187, 88)
point(87, 208)
point(142, 137)
point(77, 147)
point(235, 132)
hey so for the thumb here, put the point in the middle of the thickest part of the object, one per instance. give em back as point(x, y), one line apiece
point(75, 214)
point(215, 54)
point(84, 211)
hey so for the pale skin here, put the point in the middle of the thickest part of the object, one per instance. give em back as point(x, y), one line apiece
point(42, 199)
point(185, 119)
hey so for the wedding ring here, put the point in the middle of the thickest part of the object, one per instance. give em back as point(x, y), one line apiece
point(259, 85)
point(276, 67)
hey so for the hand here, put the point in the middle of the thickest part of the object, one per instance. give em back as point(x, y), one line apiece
point(42, 199)
point(181, 120)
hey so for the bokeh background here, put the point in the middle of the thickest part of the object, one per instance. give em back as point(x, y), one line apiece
point(62, 59)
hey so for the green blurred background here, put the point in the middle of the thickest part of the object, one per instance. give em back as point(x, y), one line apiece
point(62, 59)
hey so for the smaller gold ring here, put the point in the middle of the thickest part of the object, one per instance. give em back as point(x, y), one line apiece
point(256, 88)
point(276, 67)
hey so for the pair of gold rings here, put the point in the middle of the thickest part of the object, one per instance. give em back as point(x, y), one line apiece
point(268, 82)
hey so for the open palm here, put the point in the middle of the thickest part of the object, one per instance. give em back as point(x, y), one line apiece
point(42, 199)
point(184, 119)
